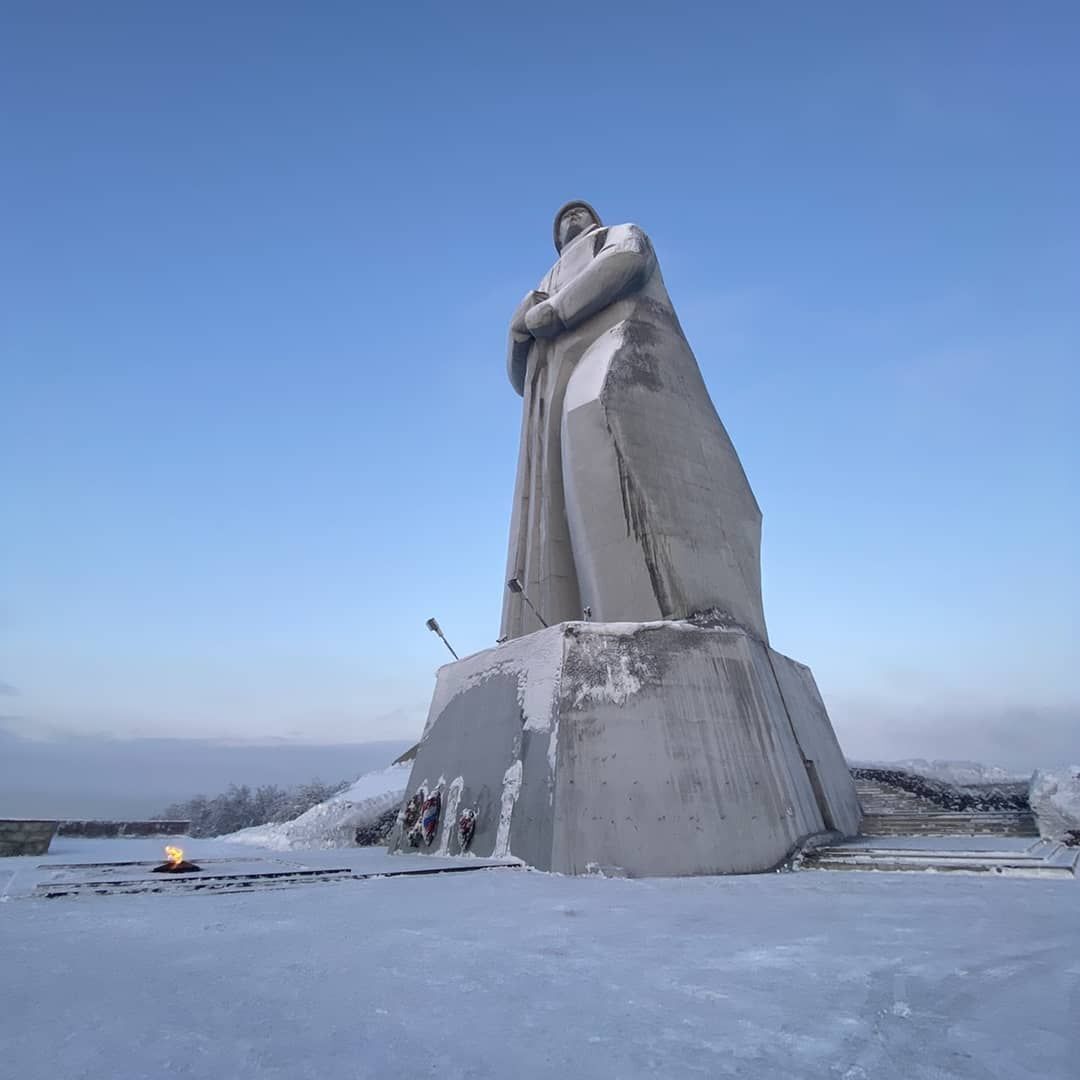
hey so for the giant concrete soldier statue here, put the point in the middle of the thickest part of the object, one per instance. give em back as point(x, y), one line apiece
point(630, 499)
point(660, 734)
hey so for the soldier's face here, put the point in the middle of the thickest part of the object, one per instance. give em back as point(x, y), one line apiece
point(574, 222)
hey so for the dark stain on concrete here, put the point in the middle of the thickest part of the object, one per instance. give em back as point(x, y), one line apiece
point(650, 337)
point(636, 361)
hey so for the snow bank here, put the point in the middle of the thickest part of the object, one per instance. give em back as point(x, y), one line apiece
point(334, 823)
point(1055, 797)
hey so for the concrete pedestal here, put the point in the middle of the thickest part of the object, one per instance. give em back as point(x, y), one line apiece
point(645, 749)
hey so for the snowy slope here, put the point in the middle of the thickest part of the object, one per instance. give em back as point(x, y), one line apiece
point(334, 823)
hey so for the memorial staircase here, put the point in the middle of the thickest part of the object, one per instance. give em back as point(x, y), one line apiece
point(1043, 858)
point(904, 831)
point(891, 811)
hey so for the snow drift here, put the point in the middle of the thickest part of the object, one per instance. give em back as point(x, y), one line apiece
point(1055, 797)
point(334, 823)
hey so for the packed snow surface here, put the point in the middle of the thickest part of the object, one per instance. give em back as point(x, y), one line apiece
point(334, 823)
point(1055, 797)
point(512, 973)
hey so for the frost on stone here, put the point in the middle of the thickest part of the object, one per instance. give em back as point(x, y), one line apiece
point(608, 672)
point(534, 662)
point(470, 672)
point(510, 791)
point(617, 682)
point(453, 800)
point(538, 682)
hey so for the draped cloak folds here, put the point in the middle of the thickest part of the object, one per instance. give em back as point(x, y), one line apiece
point(630, 499)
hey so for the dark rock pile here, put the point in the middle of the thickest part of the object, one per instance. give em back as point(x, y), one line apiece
point(378, 831)
point(955, 797)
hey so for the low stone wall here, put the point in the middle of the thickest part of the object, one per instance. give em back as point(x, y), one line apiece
point(96, 829)
point(25, 836)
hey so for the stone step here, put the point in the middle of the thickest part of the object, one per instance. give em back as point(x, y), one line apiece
point(1043, 859)
point(876, 795)
point(973, 866)
point(1022, 825)
point(891, 811)
point(963, 815)
point(880, 799)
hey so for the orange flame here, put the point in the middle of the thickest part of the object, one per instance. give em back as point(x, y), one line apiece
point(175, 855)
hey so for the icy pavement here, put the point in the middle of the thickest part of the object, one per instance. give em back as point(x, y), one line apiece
point(515, 974)
point(117, 865)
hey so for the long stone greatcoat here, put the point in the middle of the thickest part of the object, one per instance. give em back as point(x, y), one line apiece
point(630, 498)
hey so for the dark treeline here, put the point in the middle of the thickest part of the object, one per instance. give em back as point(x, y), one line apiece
point(241, 806)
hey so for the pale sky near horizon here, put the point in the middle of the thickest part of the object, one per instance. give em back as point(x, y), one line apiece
point(256, 268)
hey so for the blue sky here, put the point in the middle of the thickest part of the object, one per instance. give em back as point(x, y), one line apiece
point(257, 265)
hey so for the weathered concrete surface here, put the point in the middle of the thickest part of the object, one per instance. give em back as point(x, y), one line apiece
point(487, 739)
point(825, 762)
point(25, 836)
point(644, 749)
point(630, 499)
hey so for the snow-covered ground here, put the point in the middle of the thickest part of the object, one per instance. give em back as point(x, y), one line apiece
point(511, 973)
point(334, 823)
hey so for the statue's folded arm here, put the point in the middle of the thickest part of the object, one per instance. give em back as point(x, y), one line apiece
point(520, 340)
point(517, 359)
point(622, 265)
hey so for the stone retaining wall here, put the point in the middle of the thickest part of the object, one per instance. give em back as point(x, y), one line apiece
point(25, 836)
point(96, 829)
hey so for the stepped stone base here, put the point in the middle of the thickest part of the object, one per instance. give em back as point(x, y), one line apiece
point(1044, 858)
point(1015, 823)
point(892, 811)
point(642, 749)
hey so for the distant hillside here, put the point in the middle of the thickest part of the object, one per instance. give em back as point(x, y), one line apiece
point(98, 777)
